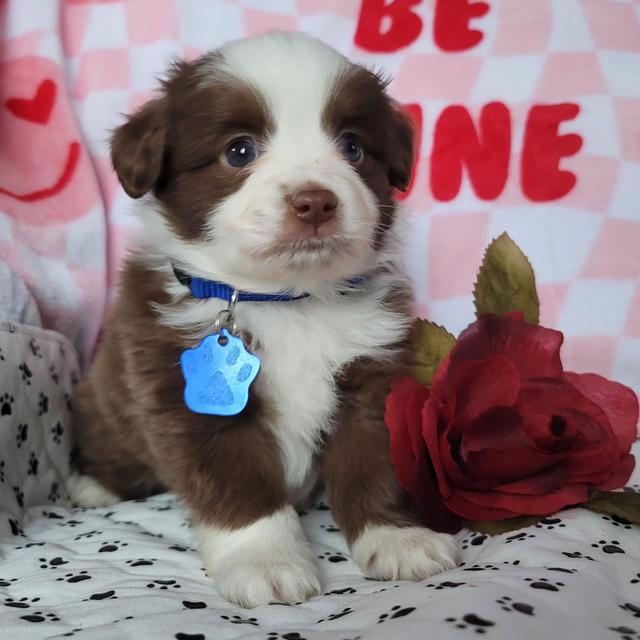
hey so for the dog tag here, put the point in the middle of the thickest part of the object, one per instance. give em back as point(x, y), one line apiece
point(217, 374)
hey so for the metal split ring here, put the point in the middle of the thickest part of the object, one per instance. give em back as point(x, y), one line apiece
point(225, 318)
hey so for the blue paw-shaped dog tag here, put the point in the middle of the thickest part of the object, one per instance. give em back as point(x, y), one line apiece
point(217, 374)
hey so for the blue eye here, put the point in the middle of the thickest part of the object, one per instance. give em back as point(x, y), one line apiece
point(351, 147)
point(241, 152)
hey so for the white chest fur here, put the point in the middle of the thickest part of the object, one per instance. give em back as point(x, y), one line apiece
point(303, 345)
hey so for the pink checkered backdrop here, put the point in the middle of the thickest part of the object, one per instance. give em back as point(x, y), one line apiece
point(534, 105)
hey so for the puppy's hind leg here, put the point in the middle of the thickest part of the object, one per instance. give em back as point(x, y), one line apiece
point(86, 491)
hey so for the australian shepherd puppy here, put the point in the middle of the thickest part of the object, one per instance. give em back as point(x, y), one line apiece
point(268, 168)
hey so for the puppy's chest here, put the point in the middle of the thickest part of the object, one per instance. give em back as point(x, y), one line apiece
point(302, 350)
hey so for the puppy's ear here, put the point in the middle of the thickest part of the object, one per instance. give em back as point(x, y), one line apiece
point(401, 149)
point(137, 148)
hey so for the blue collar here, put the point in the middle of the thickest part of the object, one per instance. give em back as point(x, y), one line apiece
point(201, 288)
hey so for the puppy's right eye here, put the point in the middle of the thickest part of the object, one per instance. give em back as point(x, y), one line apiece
point(241, 152)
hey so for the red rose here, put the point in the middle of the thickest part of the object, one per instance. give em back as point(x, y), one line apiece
point(507, 431)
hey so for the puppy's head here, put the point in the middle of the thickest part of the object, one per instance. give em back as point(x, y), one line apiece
point(271, 163)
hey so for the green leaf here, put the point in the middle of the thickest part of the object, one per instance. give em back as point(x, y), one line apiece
point(496, 527)
point(624, 504)
point(431, 344)
point(506, 281)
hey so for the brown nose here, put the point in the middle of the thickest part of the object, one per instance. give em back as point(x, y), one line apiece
point(315, 207)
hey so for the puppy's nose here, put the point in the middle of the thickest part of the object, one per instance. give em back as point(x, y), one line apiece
point(315, 206)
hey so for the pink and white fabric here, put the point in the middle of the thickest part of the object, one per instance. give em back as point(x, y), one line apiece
point(529, 119)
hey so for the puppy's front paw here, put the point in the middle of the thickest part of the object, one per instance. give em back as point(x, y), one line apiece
point(267, 561)
point(278, 576)
point(403, 553)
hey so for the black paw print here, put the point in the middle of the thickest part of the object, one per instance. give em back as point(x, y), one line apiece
point(43, 404)
point(340, 592)
point(54, 375)
point(142, 562)
point(550, 523)
point(57, 431)
point(631, 608)
point(54, 563)
point(108, 547)
point(519, 537)
point(626, 632)
point(188, 604)
point(19, 494)
point(38, 616)
point(22, 435)
point(321, 506)
point(16, 529)
point(54, 494)
point(104, 595)
point(473, 621)
point(81, 576)
point(330, 528)
point(72, 524)
point(27, 374)
point(447, 584)
point(2, 476)
point(577, 555)
point(273, 635)
point(561, 569)
point(31, 544)
point(544, 584)
point(475, 540)
point(74, 378)
point(35, 348)
point(67, 401)
point(52, 515)
point(335, 616)
point(1, 355)
point(6, 404)
point(482, 567)
point(179, 547)
point(617, 521)
point(240, 620)
point(163, 585)
point(22, 603)
point(73, 632)
point(508, 605)
point(333, 556)
point(34, 463)
point(635, 580)
point(396, 612)
point(88, 534)
point(608, 547)
point(7, 582)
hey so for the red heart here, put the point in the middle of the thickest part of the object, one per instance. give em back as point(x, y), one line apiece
point(37, 109)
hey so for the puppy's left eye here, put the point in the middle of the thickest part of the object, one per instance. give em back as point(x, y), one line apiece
point(351, 147)
point(241, 152)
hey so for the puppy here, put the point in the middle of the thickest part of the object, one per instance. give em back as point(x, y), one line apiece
point(268, 170)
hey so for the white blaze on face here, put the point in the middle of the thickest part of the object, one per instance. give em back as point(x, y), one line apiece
point(294, 76)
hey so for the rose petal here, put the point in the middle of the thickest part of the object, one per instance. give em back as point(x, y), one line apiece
point(514, 504)
point(431, 439)
point(619, 403)
point(478, 385)
point(471, 511)
point(621, 474)
point(534, 350)
point(547, 482)
point(403, 417)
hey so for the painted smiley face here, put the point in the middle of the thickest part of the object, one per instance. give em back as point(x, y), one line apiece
point(45, 176)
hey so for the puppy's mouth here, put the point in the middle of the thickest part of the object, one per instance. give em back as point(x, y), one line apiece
point(309, 249)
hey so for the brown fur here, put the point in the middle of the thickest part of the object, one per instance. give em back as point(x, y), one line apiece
point(133, 431)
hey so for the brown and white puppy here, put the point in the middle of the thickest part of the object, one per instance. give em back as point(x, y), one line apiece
point(269, 165)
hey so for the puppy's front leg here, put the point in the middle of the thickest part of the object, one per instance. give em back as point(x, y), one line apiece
point(386, 538)
point(250, 538)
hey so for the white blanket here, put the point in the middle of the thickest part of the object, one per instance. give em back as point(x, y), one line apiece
point(131, 571)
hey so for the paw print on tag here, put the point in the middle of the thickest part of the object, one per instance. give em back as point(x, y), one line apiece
point(218, 374)
point(333, 556)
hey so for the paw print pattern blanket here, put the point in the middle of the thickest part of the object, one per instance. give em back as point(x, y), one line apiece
point(545, 93)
